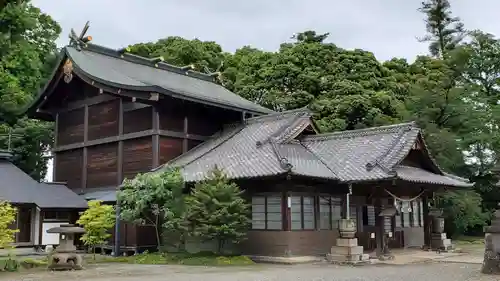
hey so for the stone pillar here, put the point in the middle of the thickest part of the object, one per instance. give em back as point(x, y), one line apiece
point(439, 241)
point(491, 262)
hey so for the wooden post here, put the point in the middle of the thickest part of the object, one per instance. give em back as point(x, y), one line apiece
point(427, 225)
point(185, 144)
point(85, 140)
point(119, 157)
point(156, 137)
point(379, 224)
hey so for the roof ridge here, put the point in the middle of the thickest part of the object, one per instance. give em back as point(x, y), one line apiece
point(159, 64)
point(360, 132)
point(277, 115)
point(379, 161)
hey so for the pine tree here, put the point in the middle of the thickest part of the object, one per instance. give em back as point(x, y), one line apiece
point(444, 32)
point(217, 211)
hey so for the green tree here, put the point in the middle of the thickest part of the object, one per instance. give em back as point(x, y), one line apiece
point(217, 211)
point(444, 32)
point(97, 220)
point(154, 199)
point(27, 51)
point(7, 218)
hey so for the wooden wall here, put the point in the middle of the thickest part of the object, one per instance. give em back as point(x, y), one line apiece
point(102, 139)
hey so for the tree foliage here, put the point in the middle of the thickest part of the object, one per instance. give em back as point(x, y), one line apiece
point(444, 32)
point(216, 210)
point(27, 55)
point(97, 220)
point(7, 218)
point(154, 199)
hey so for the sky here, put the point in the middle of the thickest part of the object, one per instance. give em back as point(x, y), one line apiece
point(388, 28)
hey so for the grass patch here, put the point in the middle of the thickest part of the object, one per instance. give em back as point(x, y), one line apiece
point(469, 240)
point(204, 259)
point(14, 264)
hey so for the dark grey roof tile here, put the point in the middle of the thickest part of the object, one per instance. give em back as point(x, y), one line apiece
point(21, 188)
point(110, 67)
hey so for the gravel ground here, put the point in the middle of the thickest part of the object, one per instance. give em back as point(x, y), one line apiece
point(327, 272)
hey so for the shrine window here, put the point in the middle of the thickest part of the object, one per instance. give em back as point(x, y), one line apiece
point(330, 212)
point(302, 212)
point(267, 212)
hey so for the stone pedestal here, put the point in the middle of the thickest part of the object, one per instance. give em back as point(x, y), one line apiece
point(491, 262)
point(439, 240)
point(347, 251)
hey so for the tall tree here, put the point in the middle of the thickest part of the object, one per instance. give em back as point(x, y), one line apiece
point(444, 32)
point(27, 51)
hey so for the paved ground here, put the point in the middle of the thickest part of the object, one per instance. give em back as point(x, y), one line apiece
point(317, 272)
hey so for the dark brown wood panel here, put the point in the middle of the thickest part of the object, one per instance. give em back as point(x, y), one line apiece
point(169, 149)
point(102, 165)
point(103, 119)
point(206, 121)
point(172, 116)
point(137, 156)
point(71, 127)
point(69, 168)
point(137, 120)
point(192, 144)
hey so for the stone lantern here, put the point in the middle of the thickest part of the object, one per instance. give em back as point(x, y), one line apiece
point(491, 262)
point(65, 256)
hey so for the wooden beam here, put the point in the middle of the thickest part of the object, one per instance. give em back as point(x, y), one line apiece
point(87, 102)
point(155, 137)
point(128, 136)
point(119, 158)
point(85, 139)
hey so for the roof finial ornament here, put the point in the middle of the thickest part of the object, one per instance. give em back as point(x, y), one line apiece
point(78, 41)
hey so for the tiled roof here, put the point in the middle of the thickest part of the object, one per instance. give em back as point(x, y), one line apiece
point(270, 145)
point(131, 72)
point(18, 187)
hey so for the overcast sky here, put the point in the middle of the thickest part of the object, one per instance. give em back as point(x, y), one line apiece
point(386, 27)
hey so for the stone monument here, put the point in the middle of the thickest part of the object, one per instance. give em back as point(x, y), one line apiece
point(439, 240)
point(491, 262)
point(65, 256)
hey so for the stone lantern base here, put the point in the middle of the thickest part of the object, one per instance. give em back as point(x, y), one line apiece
point(346, 249)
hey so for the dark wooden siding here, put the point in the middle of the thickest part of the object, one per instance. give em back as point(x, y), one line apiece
point(192, 144)
point(137, 156)
point(172, 116)
point(102, 165)
point(137, 120)
point(169, 149)
point(69, 168)
point(103, 119)
point(71, 126)
point(203, 120)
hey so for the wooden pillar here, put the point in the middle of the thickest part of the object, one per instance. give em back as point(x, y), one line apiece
point(156, 137)
point(85, 140)
point(285, 210)
point(54, 160)
point(119, 156)
point(379, 224)
point(427, 224)
point(185, 143)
